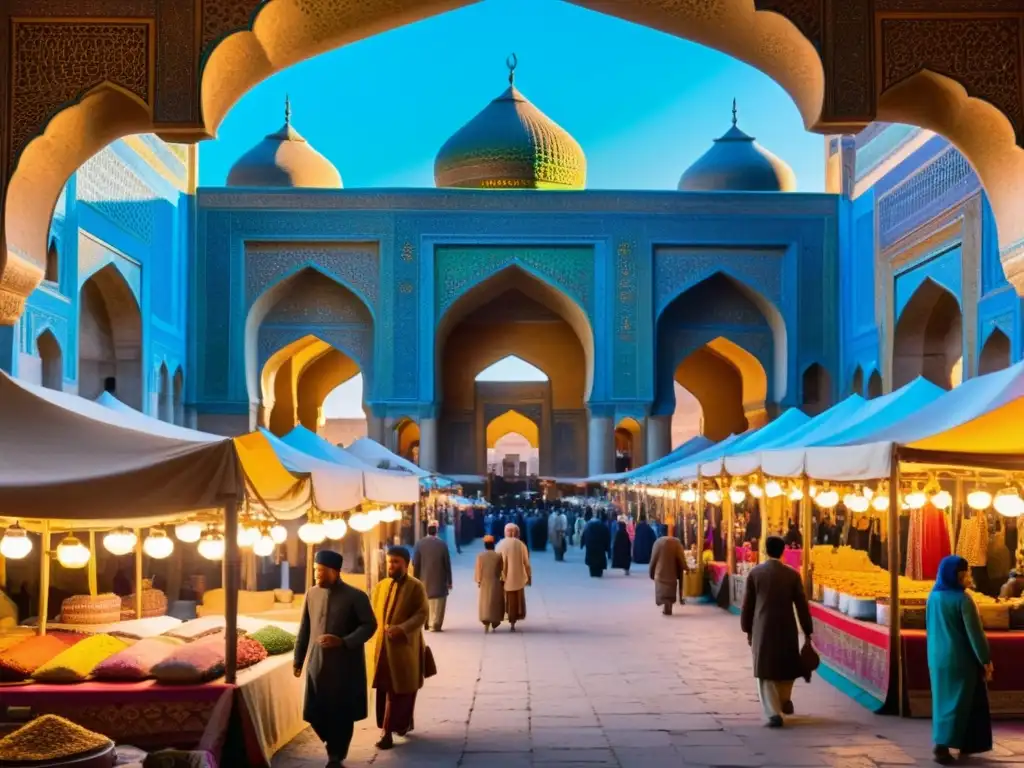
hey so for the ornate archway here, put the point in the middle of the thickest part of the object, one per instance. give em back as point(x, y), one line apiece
point(110, 338)
point(928, 340)
point(629, 446)
point(857, 382)
point(407, 440)
point(995, 354)
point(874, 385)
point(177, 71)
point(815, 389)
point(51, 361)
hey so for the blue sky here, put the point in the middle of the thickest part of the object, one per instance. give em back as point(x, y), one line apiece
point(644, 105)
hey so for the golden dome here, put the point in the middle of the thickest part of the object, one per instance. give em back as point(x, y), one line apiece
point(511, 145)
point(284, 159)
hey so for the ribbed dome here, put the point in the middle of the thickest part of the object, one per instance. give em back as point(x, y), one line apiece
point(284, 159)
point(738, 163)
point(511, 145)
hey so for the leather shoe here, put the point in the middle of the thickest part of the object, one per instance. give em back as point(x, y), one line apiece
point(386, 742)
point(775, 722)
point(787, 708)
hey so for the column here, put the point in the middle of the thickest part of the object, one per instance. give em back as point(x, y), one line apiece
point(659, 437)
point(428, 443)
point(375, 428)
point(601, 445)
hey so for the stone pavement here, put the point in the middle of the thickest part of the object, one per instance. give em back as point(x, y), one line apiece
point(598, 677)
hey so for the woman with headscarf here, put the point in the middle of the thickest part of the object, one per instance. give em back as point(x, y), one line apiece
point(492, 592)
point(622, 556)
point(959, 665)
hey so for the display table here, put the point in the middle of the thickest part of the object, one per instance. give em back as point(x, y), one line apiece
point(855, 651)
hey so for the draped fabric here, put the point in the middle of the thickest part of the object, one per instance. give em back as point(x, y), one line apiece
point(915, 539)
point(972, 544)
point(934, 540)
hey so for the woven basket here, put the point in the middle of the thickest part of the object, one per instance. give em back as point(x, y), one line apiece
point(89, 609)
point(154, 603)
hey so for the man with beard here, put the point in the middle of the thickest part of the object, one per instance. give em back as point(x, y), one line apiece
point(337, 621)
point(400, 607)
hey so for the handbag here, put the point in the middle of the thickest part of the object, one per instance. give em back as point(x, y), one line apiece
point(429, 665)
point(809, 659)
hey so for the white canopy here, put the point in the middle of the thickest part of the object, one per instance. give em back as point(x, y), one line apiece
point(790, 421)
point(376, 455)
point(680, 452)
point(686, 469)
point(379, 485)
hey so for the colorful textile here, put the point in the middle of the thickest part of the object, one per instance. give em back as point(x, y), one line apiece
point(75, 664)
point(934, 540)
point(136, 662)
point(972, 544)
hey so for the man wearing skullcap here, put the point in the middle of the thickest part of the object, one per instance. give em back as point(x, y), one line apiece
point(432, 564)
point(400, 605)
point(492, 593)
point(516, 575)
point(337, 621)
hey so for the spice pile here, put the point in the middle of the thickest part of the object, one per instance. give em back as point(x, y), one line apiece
point(49, 738)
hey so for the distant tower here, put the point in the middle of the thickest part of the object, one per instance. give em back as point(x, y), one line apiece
point(840, 165)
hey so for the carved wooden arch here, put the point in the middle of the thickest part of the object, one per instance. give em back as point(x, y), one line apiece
point(83, 72)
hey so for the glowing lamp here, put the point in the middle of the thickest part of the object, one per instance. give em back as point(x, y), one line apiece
point(713, 496)
point(264, 546)
point(755, 490)
point(188, 533)
point(312, 533)
point(374, 515)
point(71, 553)
point(772, 489)
point(247, 536)
point(279, 534)
point(855, 503)
point(15, 545)
point(335, 528)
point(689, 495)
point(915, 499)
point(827, 498)
point(120, 541)
point(796, 493)
point(158, 544)
point(1008, 502)
point(942, 500)
point(979, 499)
point(211, 546)
point(880, 502)
point(391, 515)
point(361, 522)
point(737, 495)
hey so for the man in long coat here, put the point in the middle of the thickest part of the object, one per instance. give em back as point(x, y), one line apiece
point(668, 564)
point(774, 590)
point(643, 542)
point(516, 574)
point(597, 541)
point(432, 564)
point(558, 528)
point(400, 607)
point(337, 621)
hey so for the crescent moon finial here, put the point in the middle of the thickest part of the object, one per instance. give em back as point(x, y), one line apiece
point(512, 62)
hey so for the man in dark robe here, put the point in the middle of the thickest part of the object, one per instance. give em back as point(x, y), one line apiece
point(597, 541)
point(643, 542)
point(337, 621)
point(538, 533)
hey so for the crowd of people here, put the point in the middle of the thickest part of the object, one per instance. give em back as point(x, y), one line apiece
point(338, 620)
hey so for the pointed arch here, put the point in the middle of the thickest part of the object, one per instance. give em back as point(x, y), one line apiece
point(407, 439)
point(512, 368)
point(857, 382)
point(110, 338)
point(51, 360)
point(165, 401)
point(928, 338)
point(628, 444)
point(52, 272)
point(995, 353)
point(874, 385)
point(815, 389)
point(178, 396)
point(513, 422)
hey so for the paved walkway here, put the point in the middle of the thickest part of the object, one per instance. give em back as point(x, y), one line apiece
point(598, 677)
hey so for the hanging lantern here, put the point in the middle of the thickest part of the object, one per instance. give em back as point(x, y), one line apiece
point(248, 535)
point(264, 546)
point(71, 553)
point(979, 499)
point(880, 502)
point(211, 545)
point(361, 522)
point(689, 495)
point(713, 496)
point(737, 495)
point(312, 533)
point(189, 532)
point(15, 544)
point(755, 490)
point(279, 534)
point(796, 493)
point(1008, 502)
point(916, 499)
point(392, 515)
point(120, 541)
point(855, 503)
point(942, 499)
point(772, 489)
point(158, 544)
point(827, 498)
point(335, 528)
point(374, 515)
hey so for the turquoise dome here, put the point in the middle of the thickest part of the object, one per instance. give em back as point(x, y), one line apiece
point(737, 163)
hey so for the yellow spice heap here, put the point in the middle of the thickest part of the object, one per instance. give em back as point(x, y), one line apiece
point(49, 737)
point(851, 572)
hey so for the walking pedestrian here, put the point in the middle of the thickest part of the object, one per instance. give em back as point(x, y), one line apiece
point(400, 607)
point(432, 564)
point(668, 565)
point(643, 542)
point(959, 665)
point(773, 591)
point(622, 554)
point(515, 573)
point(337, 621)
point(559, 526)
point(597, 541)
point(492, 592)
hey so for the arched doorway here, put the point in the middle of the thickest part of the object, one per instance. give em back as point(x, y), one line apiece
point(110, 338)
point(929, 337)
point(995, 354)
point(51, 361)
point(518, 321)
point(52, 273)
point(816, 390)
point(513, 446)
point(407, 440)
point(726, 345)
point(874, 385)
point(628, 445)
point(857, 384)
point(306, 337)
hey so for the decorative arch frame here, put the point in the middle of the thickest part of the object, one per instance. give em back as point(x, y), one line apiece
point(512, 421)
point(256, 354)
point(857, 381)
point(995, 335)
point(913, 318)
point(50, 377)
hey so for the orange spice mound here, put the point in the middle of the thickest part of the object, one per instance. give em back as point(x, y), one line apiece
point(49, 737)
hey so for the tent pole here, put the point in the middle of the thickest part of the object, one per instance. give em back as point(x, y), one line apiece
point(44, 577)
point(93, 589)
point(700, 512)
point(729, 513)
point(309, 568)
point(762, 510)
point(895, 660)
point(138, 573)
point(232, 573)
point(806, 523)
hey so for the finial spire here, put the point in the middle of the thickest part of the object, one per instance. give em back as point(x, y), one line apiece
point(287, 110)
point(734, 112)
point(512, 62)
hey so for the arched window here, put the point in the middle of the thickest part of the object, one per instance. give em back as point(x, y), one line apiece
point(52, 361)
point(995, 355)
point(816, 389)
point(857, 386)
point(52, 273)
point(874, 385)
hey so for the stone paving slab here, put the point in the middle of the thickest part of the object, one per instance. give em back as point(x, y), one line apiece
point(598, 677)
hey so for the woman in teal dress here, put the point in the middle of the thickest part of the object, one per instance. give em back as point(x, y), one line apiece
point(959, 665)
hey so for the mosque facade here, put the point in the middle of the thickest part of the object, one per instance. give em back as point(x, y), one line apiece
point(244, 305)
